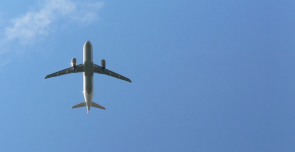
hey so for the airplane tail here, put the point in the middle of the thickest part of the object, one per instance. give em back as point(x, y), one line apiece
point(93, 104)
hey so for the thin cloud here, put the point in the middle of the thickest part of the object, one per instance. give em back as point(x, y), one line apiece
point(4, 62)
point(35, 24)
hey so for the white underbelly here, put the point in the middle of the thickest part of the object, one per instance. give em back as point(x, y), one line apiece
point(88, 88)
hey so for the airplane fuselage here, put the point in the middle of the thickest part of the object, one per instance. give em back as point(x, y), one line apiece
point(88, 74)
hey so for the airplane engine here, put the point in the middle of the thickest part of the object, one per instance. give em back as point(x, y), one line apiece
point(74, 61)
point(103, 63)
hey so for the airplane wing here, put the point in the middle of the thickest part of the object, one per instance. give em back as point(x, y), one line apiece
point(79, 68)
point(100, 70)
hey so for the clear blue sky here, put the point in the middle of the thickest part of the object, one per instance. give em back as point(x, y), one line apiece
point(208, 76)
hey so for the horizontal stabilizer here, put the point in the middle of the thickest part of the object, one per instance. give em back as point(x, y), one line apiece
point(82, 104)
point(93, 104)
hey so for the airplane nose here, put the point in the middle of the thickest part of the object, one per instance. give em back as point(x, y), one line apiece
point(87, 51)
point(87, 44)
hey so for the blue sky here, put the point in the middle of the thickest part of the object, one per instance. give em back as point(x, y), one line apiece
point(210, 76)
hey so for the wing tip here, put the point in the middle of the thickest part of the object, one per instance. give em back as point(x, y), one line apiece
point(127, 79)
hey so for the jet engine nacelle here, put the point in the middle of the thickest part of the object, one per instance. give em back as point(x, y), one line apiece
point(103, 63)
point(74, 61)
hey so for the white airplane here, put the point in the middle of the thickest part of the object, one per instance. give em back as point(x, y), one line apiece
point(88, 68)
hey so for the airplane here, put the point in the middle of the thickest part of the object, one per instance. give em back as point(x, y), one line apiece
point(88, 68)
